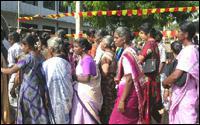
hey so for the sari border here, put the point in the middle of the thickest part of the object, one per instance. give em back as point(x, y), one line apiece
point(127, 54)
point(93, 118)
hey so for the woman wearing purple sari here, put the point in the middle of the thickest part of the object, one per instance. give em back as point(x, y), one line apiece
point(88, 99)
point(128, 108)
point(184, 100)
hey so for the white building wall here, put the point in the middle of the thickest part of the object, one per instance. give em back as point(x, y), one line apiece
point(28, 9)
point(9, 11)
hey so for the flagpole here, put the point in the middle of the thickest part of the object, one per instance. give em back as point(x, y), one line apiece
point(18, 12)
point(77, 17)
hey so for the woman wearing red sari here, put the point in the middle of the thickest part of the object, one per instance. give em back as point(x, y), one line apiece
point(152, 96)
point(128, 105)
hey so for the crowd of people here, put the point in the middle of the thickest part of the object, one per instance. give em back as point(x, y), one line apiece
point(104, 78)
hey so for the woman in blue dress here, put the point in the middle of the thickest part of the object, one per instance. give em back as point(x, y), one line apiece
point(31, 102)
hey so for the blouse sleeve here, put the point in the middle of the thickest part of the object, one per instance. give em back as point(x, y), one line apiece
point(23, 61)
point(185, 60)
point(126, 66)
point(89, 67)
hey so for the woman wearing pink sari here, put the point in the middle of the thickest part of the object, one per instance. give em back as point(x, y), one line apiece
point(88, 99)
point(128, 105)
point(184, 100)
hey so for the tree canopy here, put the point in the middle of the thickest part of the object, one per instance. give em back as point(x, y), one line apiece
point(134, 21)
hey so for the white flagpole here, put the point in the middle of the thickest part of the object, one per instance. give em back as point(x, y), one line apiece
point(77, 17)
point(18, 9)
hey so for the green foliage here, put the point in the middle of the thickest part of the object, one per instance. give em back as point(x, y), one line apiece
point(134, 22)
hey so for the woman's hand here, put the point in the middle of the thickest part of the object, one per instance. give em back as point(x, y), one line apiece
point(12, 70)
point(116, 80)
point(2, 70)
point(166, 95)
point(17, 80)
point(165, 84)
point(121, 106)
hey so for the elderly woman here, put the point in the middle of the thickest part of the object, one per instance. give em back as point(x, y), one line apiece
point(31, 103)
point(108, 69)
point(57, 71)
point(128, 105)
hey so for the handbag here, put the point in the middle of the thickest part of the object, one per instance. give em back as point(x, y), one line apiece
point(182, 79)
point(149, 66)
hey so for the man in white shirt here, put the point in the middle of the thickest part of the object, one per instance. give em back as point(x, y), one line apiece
point(99, 52)
point(162, 53)
point(13, 54)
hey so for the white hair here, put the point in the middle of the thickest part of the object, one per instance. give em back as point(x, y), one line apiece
point(108, 40)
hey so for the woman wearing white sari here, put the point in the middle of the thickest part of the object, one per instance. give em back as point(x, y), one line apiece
point(57, 71)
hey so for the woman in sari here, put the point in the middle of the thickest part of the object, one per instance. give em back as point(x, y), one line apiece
point(184, 100)
point(31, 105)
point(128, 105)
point(57, 71)
point(108, 71)
point(91, 39)
point(87, 100)
point(152, 90)
point(42, 44)
point(72, 58)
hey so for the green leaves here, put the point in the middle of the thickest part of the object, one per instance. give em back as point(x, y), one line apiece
point(134, 21)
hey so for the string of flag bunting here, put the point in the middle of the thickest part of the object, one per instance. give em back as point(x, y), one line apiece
point(128, 12)
point(80, 35)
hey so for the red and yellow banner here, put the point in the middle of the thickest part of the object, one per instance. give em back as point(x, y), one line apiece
point(128, 12)
point(172, 33)
point(81, 35)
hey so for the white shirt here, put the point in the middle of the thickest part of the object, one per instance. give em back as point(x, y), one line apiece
point(13, 53)
point(162, 52)
point(99, 54)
